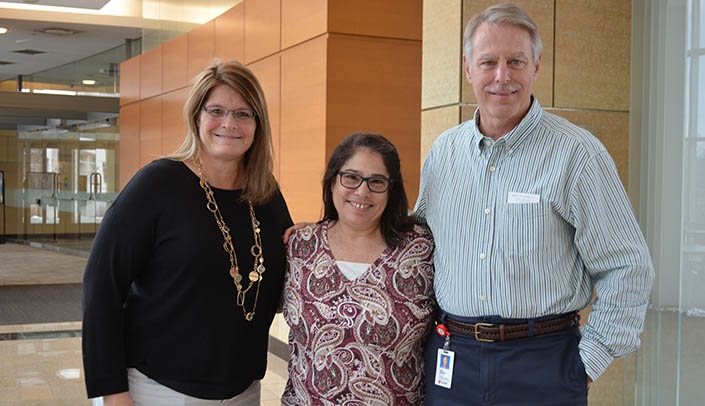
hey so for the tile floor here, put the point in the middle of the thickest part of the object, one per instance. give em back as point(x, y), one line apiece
point(41, 363)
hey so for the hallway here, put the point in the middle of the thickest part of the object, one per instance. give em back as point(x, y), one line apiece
point(41, 359)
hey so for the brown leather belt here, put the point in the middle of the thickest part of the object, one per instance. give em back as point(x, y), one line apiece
point(504, 332)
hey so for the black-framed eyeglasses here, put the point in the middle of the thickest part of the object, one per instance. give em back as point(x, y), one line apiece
point(351, 180)
point(240, 115)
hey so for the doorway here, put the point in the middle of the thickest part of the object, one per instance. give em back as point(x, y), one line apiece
point(69, 181)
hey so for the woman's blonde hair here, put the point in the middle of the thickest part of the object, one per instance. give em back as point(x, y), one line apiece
point(260, 183)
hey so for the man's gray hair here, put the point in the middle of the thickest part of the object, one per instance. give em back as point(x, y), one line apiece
point(504, 13)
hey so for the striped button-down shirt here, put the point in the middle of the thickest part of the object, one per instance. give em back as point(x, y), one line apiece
point(531, 225)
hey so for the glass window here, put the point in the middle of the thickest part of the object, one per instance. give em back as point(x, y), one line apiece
point(673, 200)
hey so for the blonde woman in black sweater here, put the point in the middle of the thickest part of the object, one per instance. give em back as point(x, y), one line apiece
point(186, 270)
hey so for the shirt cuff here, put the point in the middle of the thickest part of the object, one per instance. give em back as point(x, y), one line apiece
point(595, 357)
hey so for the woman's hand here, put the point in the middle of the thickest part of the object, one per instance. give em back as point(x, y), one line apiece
point(291, 229)
point(118, 399)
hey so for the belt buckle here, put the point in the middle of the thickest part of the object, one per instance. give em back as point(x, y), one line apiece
point(477, 332)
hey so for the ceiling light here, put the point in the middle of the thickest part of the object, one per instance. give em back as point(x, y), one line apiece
point(29, 51)
point(88, 82)
point(57, 31)
point(3, 30)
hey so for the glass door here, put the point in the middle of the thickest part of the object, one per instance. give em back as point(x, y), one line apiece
point(41, 185)
point(97, 173)
point(70, 179)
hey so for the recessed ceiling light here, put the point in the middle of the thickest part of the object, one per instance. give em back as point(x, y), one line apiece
point(57, 31)
point(3, 30)
point(88, 82)
point(29, 51)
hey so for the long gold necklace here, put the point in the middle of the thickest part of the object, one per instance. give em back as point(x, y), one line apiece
point(256, 250)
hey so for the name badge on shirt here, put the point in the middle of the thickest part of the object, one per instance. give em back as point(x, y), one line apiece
point(444, 368)
point(522, 198)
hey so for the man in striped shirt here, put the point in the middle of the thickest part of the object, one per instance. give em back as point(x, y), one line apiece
point(530, 221)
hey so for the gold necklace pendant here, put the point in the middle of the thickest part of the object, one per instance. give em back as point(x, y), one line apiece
point(258, 268)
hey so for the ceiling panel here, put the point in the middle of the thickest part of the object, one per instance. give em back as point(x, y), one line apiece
point(89, 4)
point(57, 44)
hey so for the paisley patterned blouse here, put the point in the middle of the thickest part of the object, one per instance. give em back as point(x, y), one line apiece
point(355, 342)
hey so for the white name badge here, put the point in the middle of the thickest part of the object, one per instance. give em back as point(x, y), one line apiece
point(444, 368)
point(522, 198)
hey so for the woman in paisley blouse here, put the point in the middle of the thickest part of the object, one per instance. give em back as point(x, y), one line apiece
point(358, 294)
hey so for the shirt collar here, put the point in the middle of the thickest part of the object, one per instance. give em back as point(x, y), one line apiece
point(514, 138)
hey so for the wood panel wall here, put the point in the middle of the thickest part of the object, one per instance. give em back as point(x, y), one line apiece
point(9, 164)
point(328, 68)
point(584, 73)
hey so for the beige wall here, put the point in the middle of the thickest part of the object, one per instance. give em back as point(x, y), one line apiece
point(584, 77)
point(584, 73)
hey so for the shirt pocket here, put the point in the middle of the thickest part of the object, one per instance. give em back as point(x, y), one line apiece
point(524, 229)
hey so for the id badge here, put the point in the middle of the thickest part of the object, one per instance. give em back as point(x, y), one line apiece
point(444, 368)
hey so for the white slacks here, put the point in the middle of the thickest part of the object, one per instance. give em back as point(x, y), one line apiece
point(147, 392)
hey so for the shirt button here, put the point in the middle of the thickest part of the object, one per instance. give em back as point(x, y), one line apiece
point(483, 298)
point(511, 151)
point(491, 168)
point(487, 211)
point(482, 255)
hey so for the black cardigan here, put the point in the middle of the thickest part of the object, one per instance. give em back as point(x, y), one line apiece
point(157, 294)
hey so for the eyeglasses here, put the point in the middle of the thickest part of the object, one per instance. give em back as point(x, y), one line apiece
point(351, 180)
point(240, 115)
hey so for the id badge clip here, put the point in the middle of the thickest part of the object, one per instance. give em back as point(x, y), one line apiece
point(445, 359)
